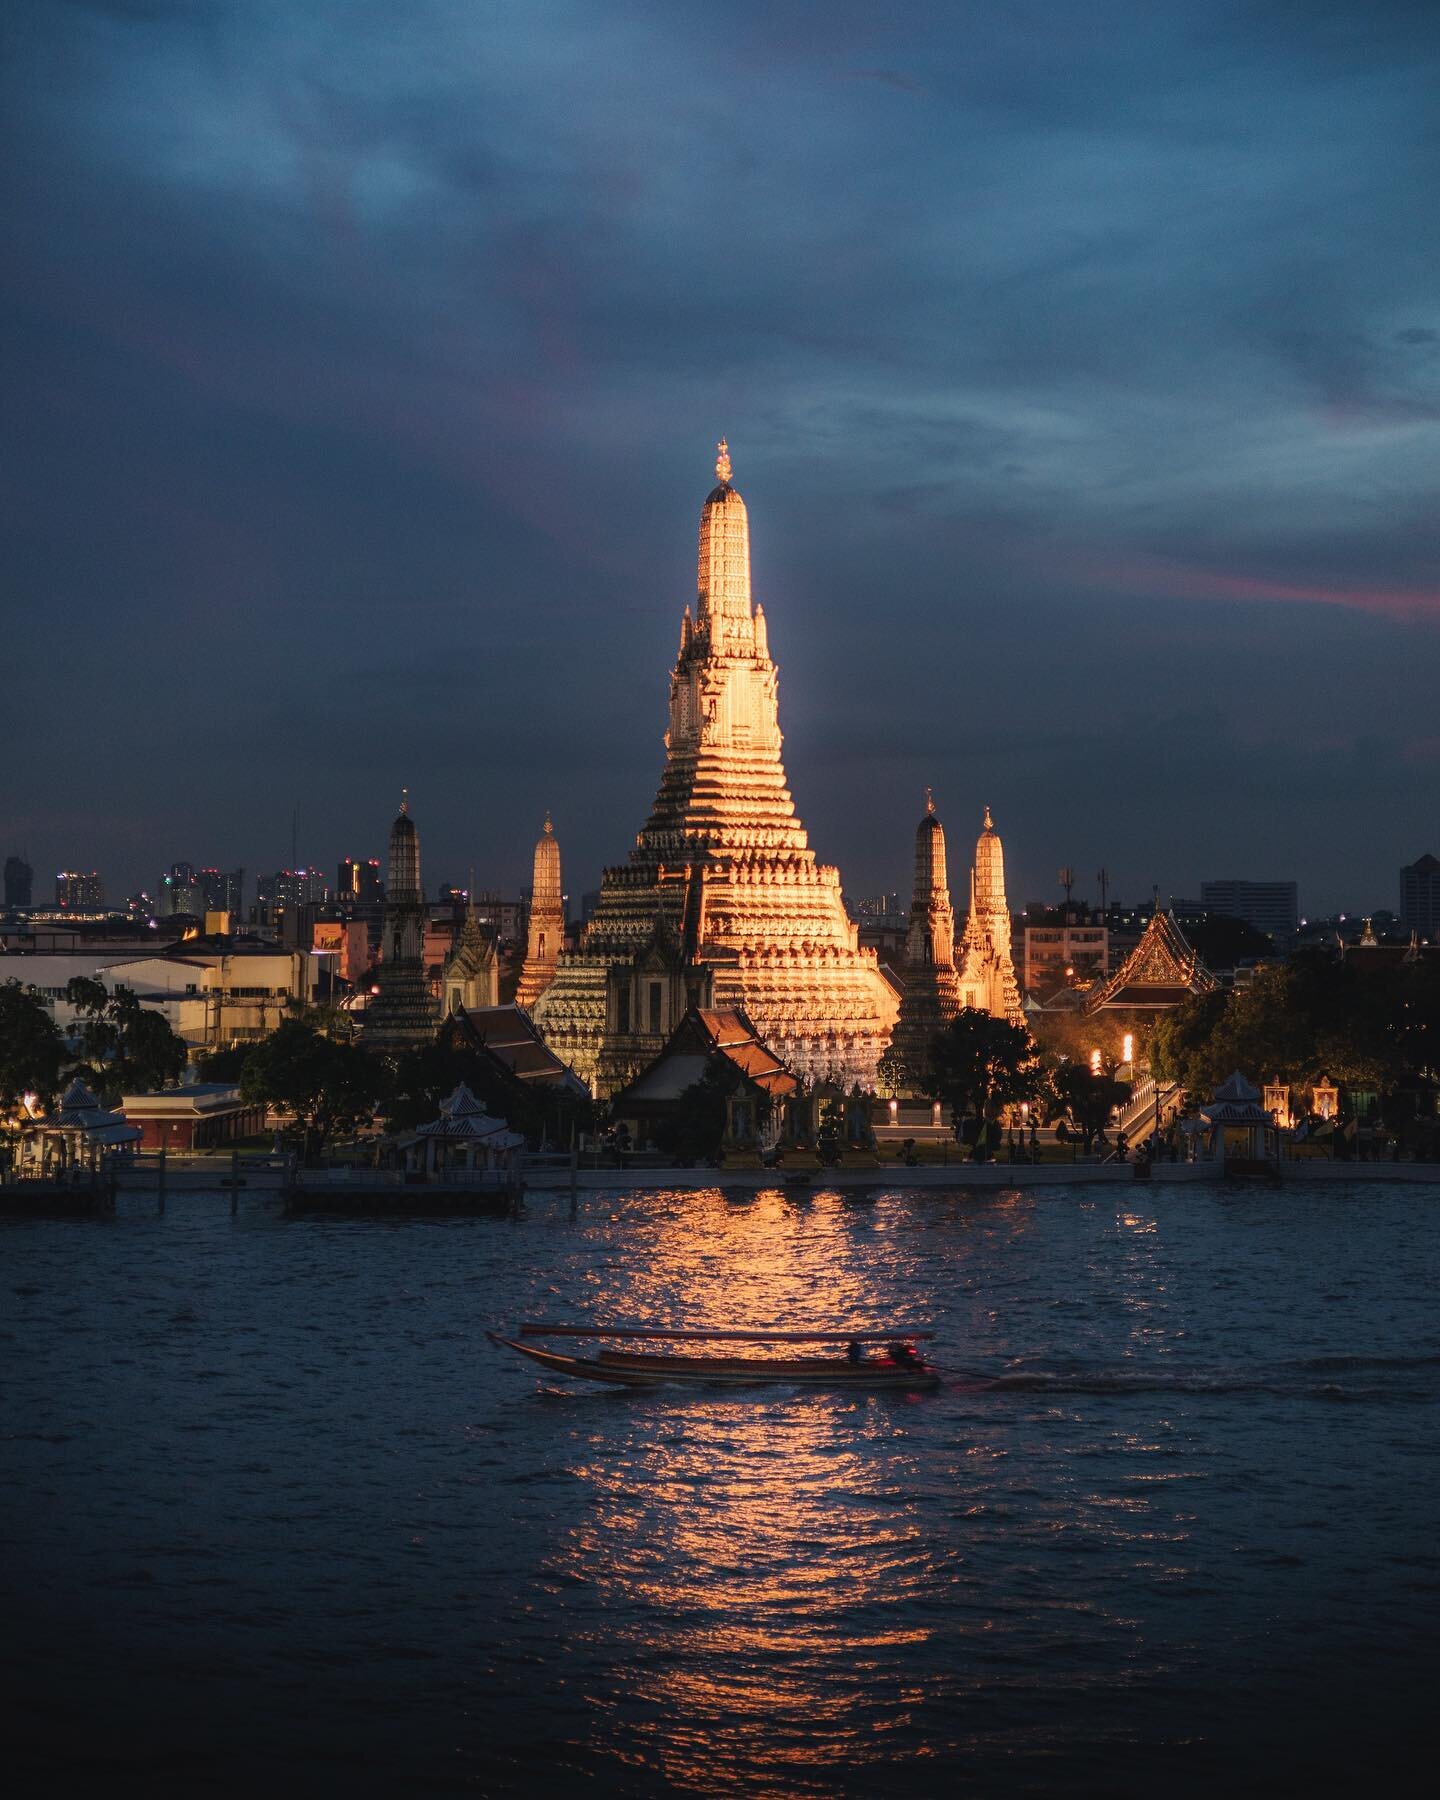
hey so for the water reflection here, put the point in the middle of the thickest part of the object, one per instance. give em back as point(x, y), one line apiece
point(756, 1561)
point(282, 1459)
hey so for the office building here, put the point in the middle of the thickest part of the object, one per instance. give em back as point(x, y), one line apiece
point(1269, 906)
point(222, 890)
point(19, 882)
point(78, 893)
point(358, 882)
point(1420, 898)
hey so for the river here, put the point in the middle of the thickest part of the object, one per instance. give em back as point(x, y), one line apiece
point(276, 1514)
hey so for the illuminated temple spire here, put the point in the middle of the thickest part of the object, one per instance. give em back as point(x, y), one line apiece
point(987, 970)
point(931, 997)
point(722, 876)
point(545, 937)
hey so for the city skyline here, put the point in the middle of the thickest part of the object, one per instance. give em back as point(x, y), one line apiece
point(1086, 409)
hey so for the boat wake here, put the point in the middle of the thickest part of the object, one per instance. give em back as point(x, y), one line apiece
point(1316, 1377)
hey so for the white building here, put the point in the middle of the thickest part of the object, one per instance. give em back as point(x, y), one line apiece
point(213, 998)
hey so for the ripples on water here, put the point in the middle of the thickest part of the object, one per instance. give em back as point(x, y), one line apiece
point(277, 1515)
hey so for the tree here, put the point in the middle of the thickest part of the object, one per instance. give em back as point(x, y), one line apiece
point(1224, 943)
point(30, 1045)
point(130, 1048)
point(541, 1111)
point(329, 1087)
point(1295, 1022)
point(980, 1064)
point(1086, 1099)
point(421, 1078)
point(225, 1065)
point(695, 1130)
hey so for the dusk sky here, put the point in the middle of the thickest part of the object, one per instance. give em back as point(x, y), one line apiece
point(363, 365)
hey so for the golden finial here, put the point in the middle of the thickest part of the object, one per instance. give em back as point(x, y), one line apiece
point(929, 800)
point(405, 800)
point(722, 460)
point(989, 822)
point(549, 828)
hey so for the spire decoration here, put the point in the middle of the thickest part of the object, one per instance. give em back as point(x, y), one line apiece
point(929, 800)
point(722, 461)
point(405, 801)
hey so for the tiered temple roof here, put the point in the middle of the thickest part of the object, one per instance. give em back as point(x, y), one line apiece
point(724, 860)
point(1160, 972)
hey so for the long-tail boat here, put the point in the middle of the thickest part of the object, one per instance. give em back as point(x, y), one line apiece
point(898, 1365)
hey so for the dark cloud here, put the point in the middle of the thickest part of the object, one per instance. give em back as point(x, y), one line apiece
point(362, 365)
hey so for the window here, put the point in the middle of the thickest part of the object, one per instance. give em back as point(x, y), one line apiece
point(655, 992)
point(622, 1011)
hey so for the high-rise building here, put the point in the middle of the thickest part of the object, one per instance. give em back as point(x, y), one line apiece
point(931, 994)
point(1269, 906)
point(359, 882)
point(288, 889)
point(545, 936)
point(222, 890)
point(78, 893)
point(180, 892)
point(722, 894)
point(986, 969)
point(1420, 898)
point(19, 882)
point(403, 1014)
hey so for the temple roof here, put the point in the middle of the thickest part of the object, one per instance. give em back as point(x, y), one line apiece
point(703, 1034)
point(473, 950)
point(1235, 1102)
point(1160, 972)
point(509, 1034)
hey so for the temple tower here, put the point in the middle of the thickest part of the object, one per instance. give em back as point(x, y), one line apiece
point(546, 935)
point(987, 971)
point(931, 995)
point(471, 975)
point(403, 1014)
point(722, 881)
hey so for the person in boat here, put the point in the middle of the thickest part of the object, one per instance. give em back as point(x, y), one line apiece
point(854, 1351)
point(903, 1355)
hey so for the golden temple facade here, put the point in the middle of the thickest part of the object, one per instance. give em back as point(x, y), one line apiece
point(986, 973)
point(722, 902)
point(545, 931)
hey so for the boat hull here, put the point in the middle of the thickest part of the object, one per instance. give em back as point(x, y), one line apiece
point(726, 1371)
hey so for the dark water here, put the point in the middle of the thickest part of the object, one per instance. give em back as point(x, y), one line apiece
point(277, 1516)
